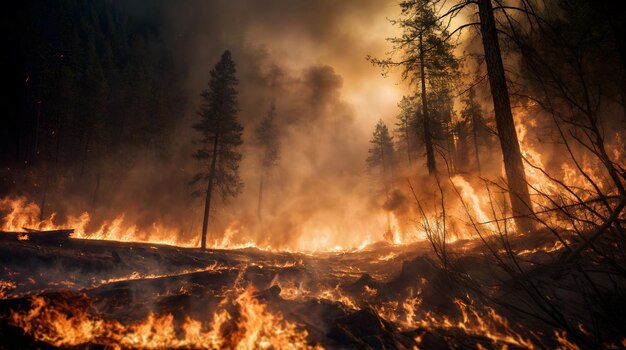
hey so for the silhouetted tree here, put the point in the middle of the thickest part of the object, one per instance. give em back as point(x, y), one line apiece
point(267, 138)
point(220, 134)
point(381, 160)
point(381, 163)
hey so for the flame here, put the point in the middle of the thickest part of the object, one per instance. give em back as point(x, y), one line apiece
point(564, 344)
point(336, 295)
point(394, 226)
point(556, 246)
point(5, 288)
point(256, 327)
point(474, 201)
point(22, 213)
point(485, 322)
point(136, 275)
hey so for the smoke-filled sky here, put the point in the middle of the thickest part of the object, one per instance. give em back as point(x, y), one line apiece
point(292, 35)
point(308, 56)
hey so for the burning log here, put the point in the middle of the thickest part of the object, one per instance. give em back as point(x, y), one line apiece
point(37, 235)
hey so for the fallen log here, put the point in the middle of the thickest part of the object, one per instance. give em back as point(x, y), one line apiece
point(37, 235)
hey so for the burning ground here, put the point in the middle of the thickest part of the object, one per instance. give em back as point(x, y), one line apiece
point(84, 293)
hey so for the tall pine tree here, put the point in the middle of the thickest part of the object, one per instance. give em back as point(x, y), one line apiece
point(407, 128)
point(426, 57)
point(381, 163)
point(220, 134)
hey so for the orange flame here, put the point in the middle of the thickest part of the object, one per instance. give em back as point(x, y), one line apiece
point(256, 328)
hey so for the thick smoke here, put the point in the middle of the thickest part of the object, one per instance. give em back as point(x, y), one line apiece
point(327, 98)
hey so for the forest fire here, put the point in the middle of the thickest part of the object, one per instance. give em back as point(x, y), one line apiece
point(235, 175)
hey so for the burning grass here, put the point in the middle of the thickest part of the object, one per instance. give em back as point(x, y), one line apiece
point(240, 322)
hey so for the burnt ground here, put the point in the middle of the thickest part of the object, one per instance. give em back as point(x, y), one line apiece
point(346, 300)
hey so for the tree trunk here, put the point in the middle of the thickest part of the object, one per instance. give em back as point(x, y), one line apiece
point(408, 142)
point(428, 140)
point(207, 203)
point(384, 170)
point(258, 209)
point(475, 132)
point(513, 164)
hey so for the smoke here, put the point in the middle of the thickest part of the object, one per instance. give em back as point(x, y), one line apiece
point(308, 57)
point(318, 192)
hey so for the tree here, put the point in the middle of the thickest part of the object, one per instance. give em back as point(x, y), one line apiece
point(521, 204)
point(441, 111)
point(472, 120)
point(426, 56)
point(220, 134)
point(382, 160)
point(513, 163)
point(267, 138)
point(406, 127)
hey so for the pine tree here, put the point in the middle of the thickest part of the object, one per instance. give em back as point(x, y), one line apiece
point(422, 17)
point(220, 134)
point(426, 57)
point(267, 138)
point(513, 162)
point(407, 128)
point(381, 161)
point(441, 109)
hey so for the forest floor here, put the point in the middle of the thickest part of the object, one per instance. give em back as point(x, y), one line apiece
point(384, 296)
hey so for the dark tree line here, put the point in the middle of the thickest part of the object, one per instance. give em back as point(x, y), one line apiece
point(87, 85)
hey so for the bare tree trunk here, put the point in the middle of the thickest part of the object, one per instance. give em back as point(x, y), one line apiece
point(428, 140)
point(207, 203)
point(258, 209)
point(513, 164)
